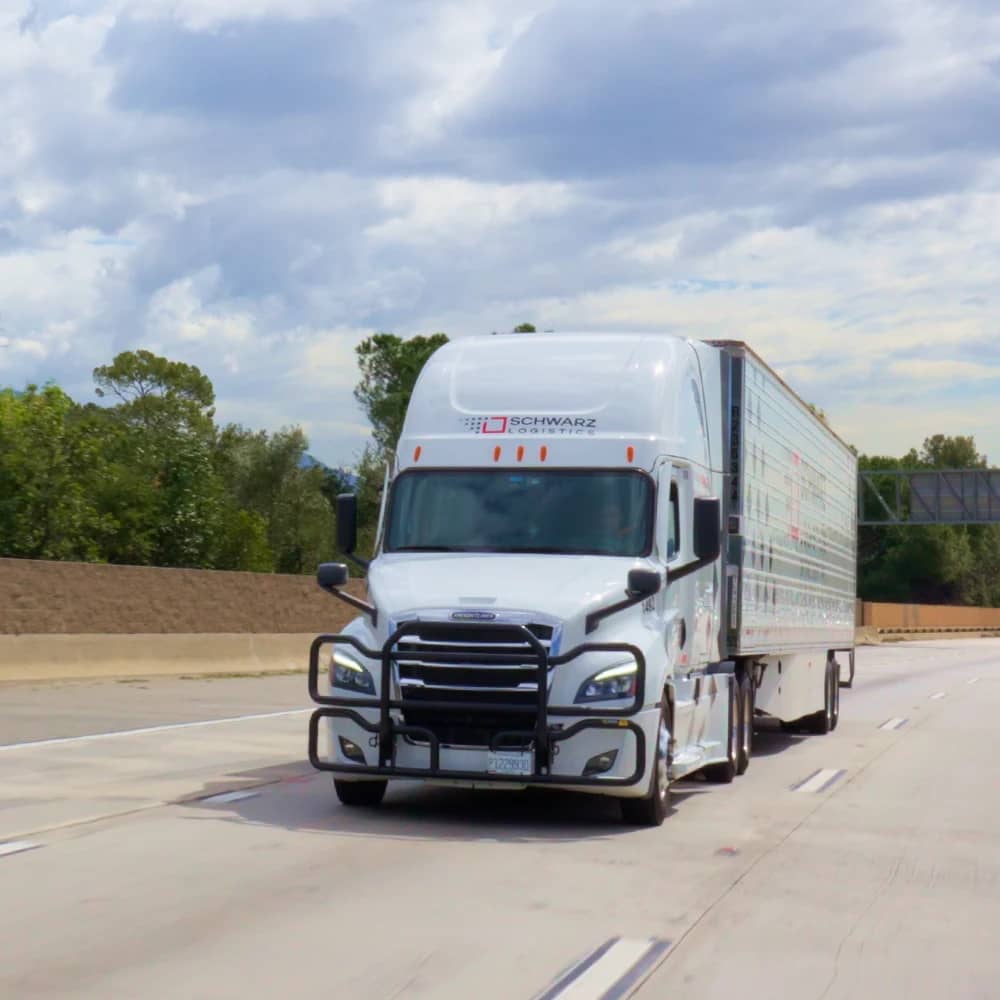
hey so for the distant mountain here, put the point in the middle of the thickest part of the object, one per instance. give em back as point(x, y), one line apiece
point(311, 462)
point(307, 461)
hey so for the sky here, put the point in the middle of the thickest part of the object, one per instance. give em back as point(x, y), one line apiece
point(255, 186)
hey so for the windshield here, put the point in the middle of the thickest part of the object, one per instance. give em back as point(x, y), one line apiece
point(492, 510)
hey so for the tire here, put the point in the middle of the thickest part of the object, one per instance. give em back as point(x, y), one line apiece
point(745, 693)
point(360, 793)
point(652, 808)
point(835, 691)
point(821, 722)
point(722, 774)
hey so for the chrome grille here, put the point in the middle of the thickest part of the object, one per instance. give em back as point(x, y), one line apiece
point(510, 679)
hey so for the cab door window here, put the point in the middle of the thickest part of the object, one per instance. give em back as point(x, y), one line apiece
point(673, 524)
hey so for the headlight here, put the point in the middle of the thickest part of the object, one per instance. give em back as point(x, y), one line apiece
point(350, 675)
point(611, 683)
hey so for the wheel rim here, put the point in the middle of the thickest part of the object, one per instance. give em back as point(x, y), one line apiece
point(662, 748)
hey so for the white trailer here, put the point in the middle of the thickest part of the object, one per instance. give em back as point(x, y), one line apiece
point(600, 557)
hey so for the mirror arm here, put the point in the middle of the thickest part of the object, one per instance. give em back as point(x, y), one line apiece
point(596, 617)
point(682, 571)
point(355, 602)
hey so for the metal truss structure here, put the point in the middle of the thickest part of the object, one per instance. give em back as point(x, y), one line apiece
point(929, 496)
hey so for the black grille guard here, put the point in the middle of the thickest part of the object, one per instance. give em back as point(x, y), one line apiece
point(543, 736)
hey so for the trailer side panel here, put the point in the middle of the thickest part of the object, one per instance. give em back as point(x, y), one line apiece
point(792, 519)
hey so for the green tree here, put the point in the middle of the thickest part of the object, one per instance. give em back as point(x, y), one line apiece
point(943, 452)
point(166, 496)
point(158, 394)
point(265, 477)
point(48, 471)
point(389, 369)
point(525, 328)
point(934, 564)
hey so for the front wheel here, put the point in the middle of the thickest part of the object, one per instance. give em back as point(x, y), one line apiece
point(360, 793)
point(651, 810)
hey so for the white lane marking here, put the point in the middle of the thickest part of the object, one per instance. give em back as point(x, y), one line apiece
point(150, 729)
point(893, 724)
point(16, 846)
point(975, 680)
point(820, 780)
point(610, 972)
point(229, 797)
point(940, 694)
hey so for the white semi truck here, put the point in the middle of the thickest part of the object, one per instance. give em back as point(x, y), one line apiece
point(600, 558)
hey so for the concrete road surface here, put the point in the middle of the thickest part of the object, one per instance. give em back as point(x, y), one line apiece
point(864, 863)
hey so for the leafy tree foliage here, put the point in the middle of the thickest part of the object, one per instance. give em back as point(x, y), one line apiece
point(49, 467)
point(933, 564)
point(151, 480)
point(389, 370)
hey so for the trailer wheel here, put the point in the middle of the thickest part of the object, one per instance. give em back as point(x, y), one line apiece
point(360, 793)
point(652, 808)
point(746, 725)
point(724, 773)
point(823, 721)
point(835, 693)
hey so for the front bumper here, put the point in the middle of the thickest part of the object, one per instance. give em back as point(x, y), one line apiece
point(380, 718)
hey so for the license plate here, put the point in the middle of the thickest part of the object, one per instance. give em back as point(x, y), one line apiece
point(510, 762)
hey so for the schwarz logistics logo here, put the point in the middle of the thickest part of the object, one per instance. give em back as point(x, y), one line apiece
point(530, 425)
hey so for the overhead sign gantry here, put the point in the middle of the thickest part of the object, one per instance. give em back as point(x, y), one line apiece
point(928, 496)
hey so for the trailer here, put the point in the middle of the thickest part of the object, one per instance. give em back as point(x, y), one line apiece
point(600, 559)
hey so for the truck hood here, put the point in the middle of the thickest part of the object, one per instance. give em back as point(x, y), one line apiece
point(556, 586)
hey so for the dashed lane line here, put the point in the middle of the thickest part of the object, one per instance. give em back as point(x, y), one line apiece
point(892, 724)
point(820, 780)
point(150, 729)
point(16, 847)
point(224, 797)
point(613, 971)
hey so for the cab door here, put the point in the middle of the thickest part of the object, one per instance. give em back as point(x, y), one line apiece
point(672, 532)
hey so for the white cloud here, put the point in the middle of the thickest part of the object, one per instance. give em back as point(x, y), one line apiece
point(944, 371)
point(253, 186)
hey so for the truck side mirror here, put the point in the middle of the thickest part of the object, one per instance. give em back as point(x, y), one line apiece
point(330, 575)
point(347, 523)
point(643, 582)
point(707, 528)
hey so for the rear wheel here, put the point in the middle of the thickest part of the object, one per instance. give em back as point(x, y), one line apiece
point(746, 725)
point(651, 810)
point(360, 793)
point(823, 721)
point(835, 691)
point(723, 773)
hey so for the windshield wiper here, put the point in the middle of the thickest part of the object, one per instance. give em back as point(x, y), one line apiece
point(428, 548)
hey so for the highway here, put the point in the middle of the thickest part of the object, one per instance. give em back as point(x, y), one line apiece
point(864, 863)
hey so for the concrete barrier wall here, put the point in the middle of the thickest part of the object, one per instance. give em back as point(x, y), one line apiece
point(67, 657)
point(45, 598)
point(927, 616)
